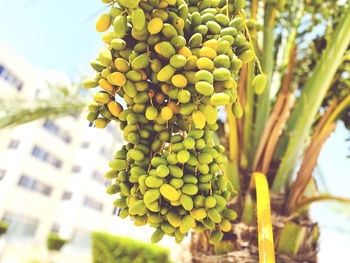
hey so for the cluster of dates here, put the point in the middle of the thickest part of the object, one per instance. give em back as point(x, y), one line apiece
point(173, 62)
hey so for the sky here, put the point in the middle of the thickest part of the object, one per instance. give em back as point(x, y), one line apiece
point(61, 35)
point(57, 35)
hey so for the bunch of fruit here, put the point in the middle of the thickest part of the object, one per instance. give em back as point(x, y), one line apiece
point(173, 62)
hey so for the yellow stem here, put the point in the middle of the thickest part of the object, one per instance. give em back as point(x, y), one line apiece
point(265, 235)
point(227, 9)
point(254, 8)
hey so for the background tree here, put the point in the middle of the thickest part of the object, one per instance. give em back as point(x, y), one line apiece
point(58, 101)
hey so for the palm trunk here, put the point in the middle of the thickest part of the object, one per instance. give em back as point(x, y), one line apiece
point(296, 239)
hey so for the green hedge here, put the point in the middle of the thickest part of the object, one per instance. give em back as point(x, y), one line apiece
point(54, 242)
point(112, 249)
point(3, 227)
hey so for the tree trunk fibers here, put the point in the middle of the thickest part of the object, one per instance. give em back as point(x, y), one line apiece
point(241, 243)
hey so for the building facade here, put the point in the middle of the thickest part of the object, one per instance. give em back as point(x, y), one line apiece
point(52, 171)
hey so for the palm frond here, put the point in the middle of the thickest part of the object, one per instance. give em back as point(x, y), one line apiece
point(61, 101)
point(311, 98)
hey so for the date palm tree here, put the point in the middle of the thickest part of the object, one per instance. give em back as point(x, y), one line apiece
point(303, 47)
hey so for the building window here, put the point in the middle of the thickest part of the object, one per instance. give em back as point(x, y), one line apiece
point(104, 152)
point(76, 169)
point(2, 173)
point(57, 163)
point(109, 128)
point(98, 177)
point(39, 153)
point(34, 185)
point(80, 239)
point(13, 144)
point(66, 137)
point(37, 92)
point(92, 203)
point(50, 126)
point(26, 182)
point(56, 130)
point(85, 145)
point(44, 156)
point(116, 211)
point(42, 188)
point(67, 195)
point(20, 226)
point(55, 228)
point(19, 86)
point(8, 76)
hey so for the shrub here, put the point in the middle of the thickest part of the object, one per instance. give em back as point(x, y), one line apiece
point(54, 242)
point(3, 227)
point(110, 249)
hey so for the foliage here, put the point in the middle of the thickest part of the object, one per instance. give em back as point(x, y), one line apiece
point(59, 100)
point(54, 242)
point(304, 50)
point(308, 104)
point(3, 227)
point(109, 249)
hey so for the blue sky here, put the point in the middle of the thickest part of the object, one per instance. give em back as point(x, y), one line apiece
point(60, 35)
point(56, 35)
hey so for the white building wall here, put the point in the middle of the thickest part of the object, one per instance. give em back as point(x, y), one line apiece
point(27, 203)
